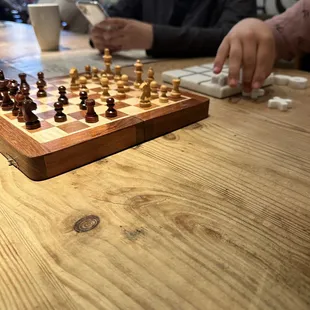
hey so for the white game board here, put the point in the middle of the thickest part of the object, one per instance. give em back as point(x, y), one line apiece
point(201, 79)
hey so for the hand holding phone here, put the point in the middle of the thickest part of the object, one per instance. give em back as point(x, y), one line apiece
point(93, 11)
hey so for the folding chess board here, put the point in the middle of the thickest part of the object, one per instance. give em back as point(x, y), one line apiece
point(201, 79)
point(55, 148)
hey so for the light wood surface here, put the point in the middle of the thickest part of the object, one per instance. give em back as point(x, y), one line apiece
point(213, 216)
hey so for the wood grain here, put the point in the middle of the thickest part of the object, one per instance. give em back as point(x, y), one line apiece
point(213, 216)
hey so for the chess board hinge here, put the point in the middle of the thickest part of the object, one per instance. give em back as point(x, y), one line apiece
point(11, 161)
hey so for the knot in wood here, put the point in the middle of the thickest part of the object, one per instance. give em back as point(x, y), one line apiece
point(86, 223)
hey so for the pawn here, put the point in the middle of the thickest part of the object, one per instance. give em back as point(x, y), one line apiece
point(91, 116)
point(121, 90)
point(59, 116)
point(138, 66)
point(13, 90)
point(83, 97)
point(104, 81)
point(25, 92)
point(154, 90)
point(175, 93)
point(110, 112)
point(88, 74)
point(124, 78)
point(62, 98)
point(83, 82)
point(95, 77)
point(117, 75)
point(150, 74)
point(41, 78)
point(163, 97)
point(20, 99)
point(41, 92)
point(105, 93)
point(6, 102)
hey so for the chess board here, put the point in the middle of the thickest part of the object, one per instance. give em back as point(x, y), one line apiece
point(56, 148)
point(201, 79)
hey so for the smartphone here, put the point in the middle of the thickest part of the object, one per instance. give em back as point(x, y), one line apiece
point(92, 10)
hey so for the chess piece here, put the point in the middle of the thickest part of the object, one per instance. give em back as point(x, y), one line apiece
point(6, 102)
point(62, 98)
point(13, 90)
point(83, 82)
point(25, 91)
point(175, 93)
point(138, 80)
point(120, 91)
point(138, 66)
point(108, 71)
point(91, 116)
point(88, 73)
point(41, 92)
point(83, 97)
point(59, 117)
point(74, 75)
point(107, 58)
point(20, 99)
point(150, 74)
point(104, 81)
point(41, 78)
point(145, 98)
point(110, 112)
point(154, 90)
point(117, 74)
point(163, 97)
point(31, 120)
point(125, 78)
point(23, 82)
point(95, 76)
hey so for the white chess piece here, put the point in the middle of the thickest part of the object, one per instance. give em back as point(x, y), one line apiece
point(255, 93)
point(280, 79)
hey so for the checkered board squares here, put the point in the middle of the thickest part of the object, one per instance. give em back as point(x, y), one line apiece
point(51, 130)
point(201, 79)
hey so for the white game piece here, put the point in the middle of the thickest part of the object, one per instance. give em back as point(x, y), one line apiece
point(298, 82)
point(220, 79)
point(280, 79)
point(255, 93)
point(280, 103)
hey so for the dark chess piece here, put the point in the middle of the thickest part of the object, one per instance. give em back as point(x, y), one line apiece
point(32, 121)
point(41, 92)
point(88, 74)
point(110, 112)
point(62, 98)
point(25, 91)
point(59, 116)
point(1, 75)
point(6, 102)
point(23, 82)
point(20, 98)
point(91, 116)
point(83, 97)
point(13, 90)
point(41, 78)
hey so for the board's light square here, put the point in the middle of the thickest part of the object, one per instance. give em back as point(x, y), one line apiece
point(48, 135)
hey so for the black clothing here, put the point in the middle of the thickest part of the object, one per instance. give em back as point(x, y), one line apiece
point(191, 28)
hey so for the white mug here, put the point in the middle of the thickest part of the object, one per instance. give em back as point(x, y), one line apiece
point(46, 22)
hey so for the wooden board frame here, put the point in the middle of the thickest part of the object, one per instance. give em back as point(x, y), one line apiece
point(40, 161)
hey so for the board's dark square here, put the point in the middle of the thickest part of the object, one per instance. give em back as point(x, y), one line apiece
point(120, 105)
point(72, 127)
point(98, 89)
point(119, 115)
point(78, 115)
point(10, 116)
point(127, 97)
point(47, 114)
point(44, 125)
point(96, 97)
point(71, 95)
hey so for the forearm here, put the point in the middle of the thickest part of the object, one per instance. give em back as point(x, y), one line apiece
point(290, 30)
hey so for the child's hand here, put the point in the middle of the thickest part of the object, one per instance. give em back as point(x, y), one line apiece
point(250, 45)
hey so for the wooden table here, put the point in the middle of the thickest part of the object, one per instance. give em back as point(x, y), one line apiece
point(212, 216)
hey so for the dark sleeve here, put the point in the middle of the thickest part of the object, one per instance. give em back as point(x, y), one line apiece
point(199, 42)
point(126, 9)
